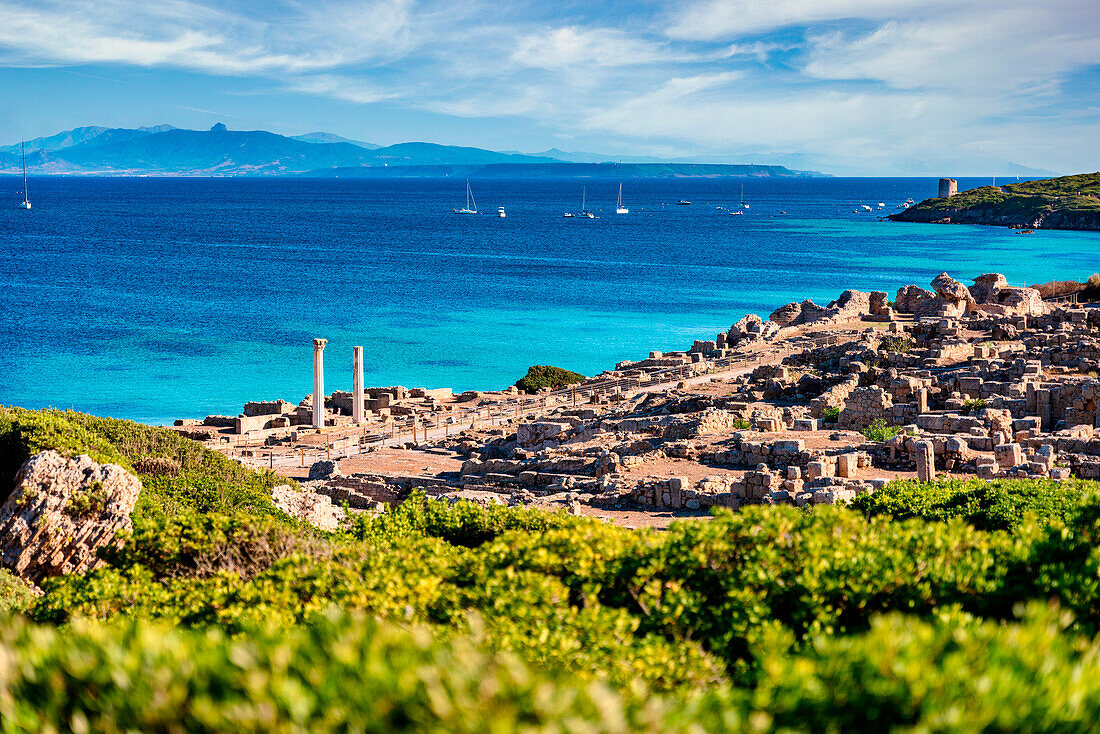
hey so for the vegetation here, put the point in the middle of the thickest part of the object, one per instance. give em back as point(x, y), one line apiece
point(973, 405)
point(540, 376)
point(879, 430)
point(831, 414)
point(177, 474)
point(742, 424)
point(1061, 199)
point(899, 344)
point(922, 606)
point(1001, 504)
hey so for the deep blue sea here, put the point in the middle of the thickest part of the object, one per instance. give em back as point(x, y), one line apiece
point(154, 299)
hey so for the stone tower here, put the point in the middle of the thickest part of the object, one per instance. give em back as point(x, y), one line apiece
point(948, 187)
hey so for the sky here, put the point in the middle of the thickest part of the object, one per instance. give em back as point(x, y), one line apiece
point(850, 87)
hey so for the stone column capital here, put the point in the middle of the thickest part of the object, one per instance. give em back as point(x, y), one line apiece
point(319, 344)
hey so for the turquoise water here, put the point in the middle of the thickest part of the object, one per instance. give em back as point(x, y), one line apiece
point(154, 299)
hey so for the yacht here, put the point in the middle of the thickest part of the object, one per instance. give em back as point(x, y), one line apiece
point(682, 202)
point(619, 208)
point(471, 205)
point(743, 204)
point(26, 199)
point(585, 214)
point(500, 212)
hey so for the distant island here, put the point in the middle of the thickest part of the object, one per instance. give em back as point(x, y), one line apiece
point(1067, 202)
point(167, 151)
point(562, 169)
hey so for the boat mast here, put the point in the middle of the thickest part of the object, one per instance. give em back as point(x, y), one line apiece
point(23, 151)
point(620, 204)
point(582, 199)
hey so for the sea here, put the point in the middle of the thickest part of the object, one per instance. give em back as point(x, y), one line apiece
point(161, 298)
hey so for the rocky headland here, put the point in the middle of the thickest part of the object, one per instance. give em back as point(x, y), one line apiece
point(1069, 202)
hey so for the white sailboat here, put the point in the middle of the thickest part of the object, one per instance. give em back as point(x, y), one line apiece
point(471, 205)
point(743, 204)
point(26, 199)
point(619, 208)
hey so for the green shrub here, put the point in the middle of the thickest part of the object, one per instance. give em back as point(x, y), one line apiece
point(741, 424)
point(540, 376)
point(1001, 504)
point(973, 406)
point(950, 672)
point(879, 430)
point(15, 594)
point(897, 344)
point(831, 414)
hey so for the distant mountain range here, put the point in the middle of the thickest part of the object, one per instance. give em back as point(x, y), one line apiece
point(163, 150)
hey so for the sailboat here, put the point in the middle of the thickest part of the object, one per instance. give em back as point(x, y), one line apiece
point(26, 199)
point(471, 205)
point(743, 204)
point(619, 208)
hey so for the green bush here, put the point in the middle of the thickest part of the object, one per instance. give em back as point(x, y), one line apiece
point(897, 344)
point(1001, 504)
point(15, 594)
point(540, 376)
point(879, 430)
point(741, 424)
point(830, 415)
point(973, 406)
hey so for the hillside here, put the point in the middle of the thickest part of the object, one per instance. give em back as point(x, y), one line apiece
point(1068, 202)
point(223, 152)
point(166, 151)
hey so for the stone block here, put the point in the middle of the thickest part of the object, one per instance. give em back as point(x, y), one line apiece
point(1008, 455)
point(925, 458)
point(846, 465)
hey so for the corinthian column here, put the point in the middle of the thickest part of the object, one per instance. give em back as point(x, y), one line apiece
point(319, 383)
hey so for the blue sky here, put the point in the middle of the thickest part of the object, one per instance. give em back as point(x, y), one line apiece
point(888, 87)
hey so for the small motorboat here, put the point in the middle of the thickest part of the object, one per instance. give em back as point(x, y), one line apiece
point(500, 212)
point(737, 213)
point(681, 202)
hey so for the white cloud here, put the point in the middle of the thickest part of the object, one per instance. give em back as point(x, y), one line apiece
point(577, 49)
point(721, 19)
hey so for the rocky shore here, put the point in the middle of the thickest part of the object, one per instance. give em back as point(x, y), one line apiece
point(814, 405)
